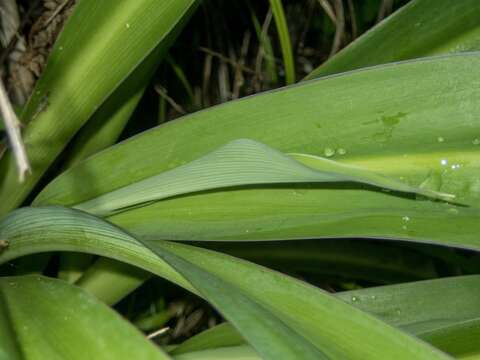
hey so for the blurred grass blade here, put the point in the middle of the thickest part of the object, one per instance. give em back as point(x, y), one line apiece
point(403, 109)
point(266, 49)
point(420, 28)
point(285, 43)
point(42, 318)
point(295, 317)
point(111, 280)
point(239, 163)
point(101, 44)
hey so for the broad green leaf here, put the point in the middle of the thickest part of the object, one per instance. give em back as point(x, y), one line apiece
point(420, 28)
point(451, 324)
point(378, 263)
point(415, 306)
point(395, 120)
point(240, 163)
point(231, 353)
point(42, 318)
point(37, 230)
point(101, 44)
point(223, 335)
point(444, 312)
point(106, 124)
point(295, 317)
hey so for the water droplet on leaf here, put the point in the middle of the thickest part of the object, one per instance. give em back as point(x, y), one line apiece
point(329, 152)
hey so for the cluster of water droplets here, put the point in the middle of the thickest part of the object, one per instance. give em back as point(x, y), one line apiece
point(329, 152)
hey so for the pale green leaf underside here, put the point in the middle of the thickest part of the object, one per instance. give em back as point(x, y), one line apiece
point(239, 163)
point(292, 312)
point(42, 318)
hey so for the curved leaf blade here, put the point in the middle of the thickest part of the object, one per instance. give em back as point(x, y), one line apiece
point(450, 325)
point(101, 44)
point(420, 28)
point(51, 319)
point(239, 163)
point(314, 317)
point(403, 109)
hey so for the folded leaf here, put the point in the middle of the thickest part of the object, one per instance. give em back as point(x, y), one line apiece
point(240, 163)
point(280, 317)
point(394, 120)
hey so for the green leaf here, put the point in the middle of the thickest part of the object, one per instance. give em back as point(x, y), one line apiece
point(285, 43)
point(223, 335)
point(106, 124)
point(42, 318)
point(450, 325)
point(395, 120)
point(231, 353)
point(100, 46)
point(239, 163)
point(294, 316)
point(378, 262)
point(420, 28)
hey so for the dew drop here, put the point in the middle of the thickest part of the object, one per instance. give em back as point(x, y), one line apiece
point(440, 139)
point(329, 152)
point(373, 297)
point(453, 211)
point(406, 218)
point(354, 298)
point(127, 25)
point(341, 151)
point(476, 141)
point(444, 162)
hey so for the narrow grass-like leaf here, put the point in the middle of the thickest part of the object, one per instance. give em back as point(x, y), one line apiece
point(284, 36)
point(420, 28)
point(49, 319)
point(239, 163)
point(275, 313)
point(101, 44)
